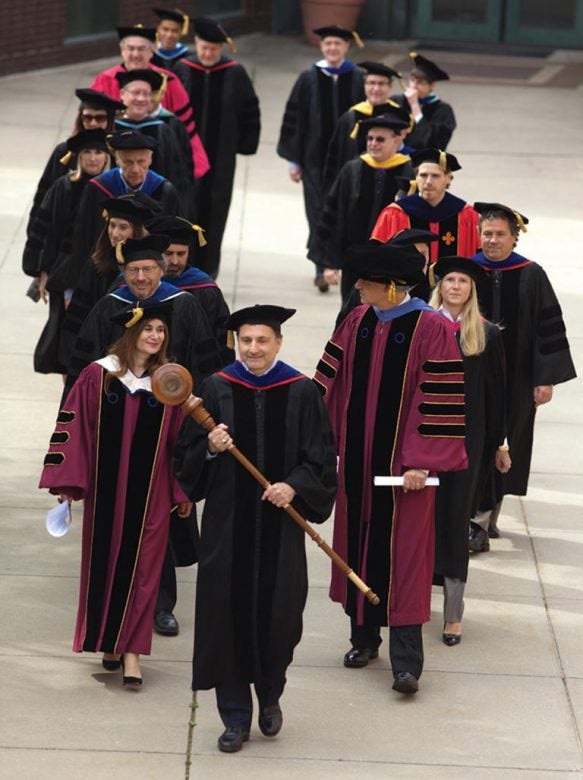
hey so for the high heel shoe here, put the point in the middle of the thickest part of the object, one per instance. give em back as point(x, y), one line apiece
point(450, 639)
point(128, 681)
point(111, 665)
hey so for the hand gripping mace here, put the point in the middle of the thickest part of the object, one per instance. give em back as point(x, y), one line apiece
point(172, 385)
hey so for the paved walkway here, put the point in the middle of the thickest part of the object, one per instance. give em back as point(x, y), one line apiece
point(508, 701)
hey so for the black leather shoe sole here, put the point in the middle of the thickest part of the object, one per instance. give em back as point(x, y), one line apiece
point(405, 682)
point(357, 658)
point(231, 740)
point(270, 720)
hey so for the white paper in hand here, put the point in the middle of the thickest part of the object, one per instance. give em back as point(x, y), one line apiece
point(58, 519)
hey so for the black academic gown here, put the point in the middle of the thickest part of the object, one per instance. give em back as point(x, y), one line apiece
point(89, 222)
point(48, 248)
point(252, 578)
point(523, 301)
point(227, 114)
point(191, 341)
point(314, 106)
point(54, 169)
point(459, 491)
point(435, 129)
point(351, 209)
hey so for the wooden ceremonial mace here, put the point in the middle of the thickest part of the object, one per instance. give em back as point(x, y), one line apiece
point(172, 385)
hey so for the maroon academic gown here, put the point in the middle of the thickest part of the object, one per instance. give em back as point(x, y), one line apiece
point(114, 449)
point(395, 395)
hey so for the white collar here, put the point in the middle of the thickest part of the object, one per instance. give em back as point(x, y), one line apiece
point(448, 315)
point(132, 383)
point(275, 362)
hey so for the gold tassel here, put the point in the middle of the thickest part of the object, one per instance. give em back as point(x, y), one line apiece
point(412, 187)
point(443, 160)
point(159, 94)
point(232, 46)
point(201, 239)
point(105, 214)
point(65, 159)
point(185, 22)
point(392, 292)
point(521, 225)
point(431, 275)
point(354, 133)
point(357, 39)
point(230, 340)
point(119, 253)
point(138, 313)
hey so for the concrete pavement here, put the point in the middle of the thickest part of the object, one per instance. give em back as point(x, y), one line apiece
point(508, 701)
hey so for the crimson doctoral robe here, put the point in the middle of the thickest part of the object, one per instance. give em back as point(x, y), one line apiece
point(395, 394)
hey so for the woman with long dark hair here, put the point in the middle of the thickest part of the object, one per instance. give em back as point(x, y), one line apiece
point(458, 494)
point(124, 218)
point(113, 447)
point(48, 248)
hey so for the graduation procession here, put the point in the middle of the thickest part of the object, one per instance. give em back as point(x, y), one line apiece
point(292, 432)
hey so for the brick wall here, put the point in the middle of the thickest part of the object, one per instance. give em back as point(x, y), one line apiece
point(32, 33)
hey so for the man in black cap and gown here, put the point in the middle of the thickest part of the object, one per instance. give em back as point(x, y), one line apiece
point(319, 97)
point(434, 118)
point(516, 293)
point(252, 578)
point(172, 26)
point(392, 380)
point(227, 111)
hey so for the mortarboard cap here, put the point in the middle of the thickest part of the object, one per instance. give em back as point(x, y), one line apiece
point(426, 68)
point(178, 230)
point(390, 120)
point(260, 314)
point(131, 139)
point(135, 207)
point(334, 31)
point(412, 236)
point(174, 15)
point(385, 263)
point(379, 69)
point(91, 98)
point(153, 77)
point(149, 33)
point(211, 31)
point(88, 139)
point(146, 310)
point(514, 216)
point(446, 161)
point(145, 248)
point(464, 265)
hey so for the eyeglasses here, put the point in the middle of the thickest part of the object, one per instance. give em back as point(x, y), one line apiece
point(94, 118)
point(139, 92)
point(139, 49)
point(148, 271)
point(379, 139)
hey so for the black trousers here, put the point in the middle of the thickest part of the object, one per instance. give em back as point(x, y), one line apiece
point(167, 591)
point(405, 645)
point(235, 703)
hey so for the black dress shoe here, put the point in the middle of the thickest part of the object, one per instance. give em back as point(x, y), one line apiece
point(232, 738)
point(478, 540)
point(359, 657)
point(270, 720)
point(165, 623)
point(451, 639)
point(321, 284)
point(405, 682)
point(111, 665)
point(493, 531)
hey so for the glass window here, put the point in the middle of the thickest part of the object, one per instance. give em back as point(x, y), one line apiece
point(542, 13)
point(464, 11)
point(89, 19)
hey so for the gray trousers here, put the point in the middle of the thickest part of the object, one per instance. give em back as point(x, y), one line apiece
point(453, 600)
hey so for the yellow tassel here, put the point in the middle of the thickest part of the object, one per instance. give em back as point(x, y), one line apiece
point(354, 132)
point(105, 214)
point(392, 292)
point(159, 94)
point(119, 253)
point(357, 39)
point(401, 82)
point(443, 161)
point(201, 239)
point(185, 22)
point(232, 46)
point(412, 187)
point(520, 221)
point(230, 339)
point(431, 275)
point(66, 158)
point(138, 313)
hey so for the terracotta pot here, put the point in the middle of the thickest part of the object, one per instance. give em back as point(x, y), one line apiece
point(318, 13)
